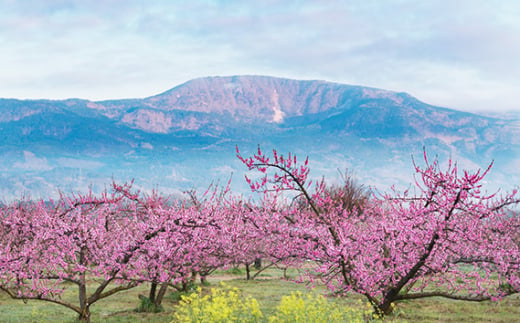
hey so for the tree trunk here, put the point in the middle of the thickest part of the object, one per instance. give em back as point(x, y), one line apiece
point(383, 309)
point(258, 263)
point(152, 303)
point(186, 285)
point(248, 272)
point(153, 289)
point(84, 316)
point(160, 294)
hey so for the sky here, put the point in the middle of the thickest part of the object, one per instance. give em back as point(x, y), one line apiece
point(462, 54)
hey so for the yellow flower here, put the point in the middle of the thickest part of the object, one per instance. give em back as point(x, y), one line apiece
point(224, 304)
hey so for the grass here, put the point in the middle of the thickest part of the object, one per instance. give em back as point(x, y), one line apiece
point(268, 289)
point(442, 310)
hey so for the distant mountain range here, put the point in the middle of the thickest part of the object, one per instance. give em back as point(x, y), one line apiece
point(185, 137)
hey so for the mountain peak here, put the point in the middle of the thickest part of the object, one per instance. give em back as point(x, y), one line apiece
point(267, 98)
point(180, 138)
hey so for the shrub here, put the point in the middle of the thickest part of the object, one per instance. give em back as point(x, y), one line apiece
point(147, 306)
point(224, 304)
point(177, 295)
point(316, 308)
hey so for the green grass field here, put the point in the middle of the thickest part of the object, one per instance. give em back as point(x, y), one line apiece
point(268, 289)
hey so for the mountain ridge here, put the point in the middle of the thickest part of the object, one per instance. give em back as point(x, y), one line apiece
point(194, 127)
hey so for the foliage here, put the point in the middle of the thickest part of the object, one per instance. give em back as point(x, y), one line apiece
point(224, 304)
point(398, 246)
point(235, 270)
point(101, 244)
point(443, 237)
point(176, 295)
point(148, 306)
point(75, 239)
point(268, 293)
point(315, 308)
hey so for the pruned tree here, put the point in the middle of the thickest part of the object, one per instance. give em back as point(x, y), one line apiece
point(447, 238)
point(86, 240)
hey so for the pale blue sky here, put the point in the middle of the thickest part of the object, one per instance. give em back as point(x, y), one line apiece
point(463, 54)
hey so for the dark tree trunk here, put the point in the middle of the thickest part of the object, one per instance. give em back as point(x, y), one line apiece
point(152, 303)
point(153, 289)
point(248, 272)
point(186, 285)
point(160, 294)
point(384, 309)
point(258, 263)
point(84, 316)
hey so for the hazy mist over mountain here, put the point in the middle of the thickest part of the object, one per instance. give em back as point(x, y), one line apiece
point(186, 137)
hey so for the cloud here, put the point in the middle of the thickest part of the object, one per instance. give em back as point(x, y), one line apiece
point(32, 163)
point(224, 170)
point(454, 53)
point(79, 163)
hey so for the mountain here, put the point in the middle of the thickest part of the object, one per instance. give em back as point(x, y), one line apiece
point(186, 137)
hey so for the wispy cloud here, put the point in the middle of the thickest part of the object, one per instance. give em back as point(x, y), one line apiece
point(32, 163)
point(462, 54)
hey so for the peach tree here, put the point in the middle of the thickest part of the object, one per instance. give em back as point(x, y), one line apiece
point(445, 236)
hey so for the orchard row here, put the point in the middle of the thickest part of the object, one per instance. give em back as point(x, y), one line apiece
point(444, 237)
